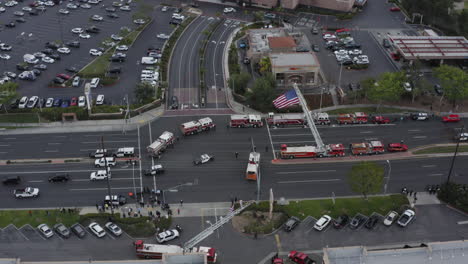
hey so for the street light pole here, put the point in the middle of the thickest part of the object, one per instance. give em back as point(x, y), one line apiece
point(454, 156)
point(133, 177)
point(108, 176)
point(388, 177)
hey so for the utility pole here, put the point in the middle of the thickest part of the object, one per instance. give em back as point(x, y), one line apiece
point(108, 176)
point(388, 178)
point(454, 156)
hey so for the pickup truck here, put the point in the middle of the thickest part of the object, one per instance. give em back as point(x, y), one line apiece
point(26, 193)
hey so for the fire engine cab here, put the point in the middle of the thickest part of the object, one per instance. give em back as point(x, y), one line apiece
point(194, 127)
point(253, 167)
point(246, 121)
point(367, 148)
point(356, 118)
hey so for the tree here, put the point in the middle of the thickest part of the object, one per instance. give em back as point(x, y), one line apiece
point(389, 87)
point(414, 78)
point(239, 81)
point(8, 92)
point(265, 65)
point(454, 82)
point(366, 178)
point(262, 93)
point(144, 92)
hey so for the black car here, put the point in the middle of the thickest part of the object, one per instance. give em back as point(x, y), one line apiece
point(357, 221)
point(52, 45)
point(59, 178)
point(315, 48)
point(22, 67)
point(71, 69)
point(37, 72)
point(20, 20)
point(14, 103)
point(113, 15)
point(386, 43)
point(47, 51)
point(175, 22)
point(73, 44)
point(174, 102)
point(341, 222)
point(93, 29)
point(41, 67)
point(354, 86)
point(116, 59)
point(33, 13)
point(10, 25)
point(372, 222)
point(352, 45)
point(78, 230)
point(57, 102)
point(347, 62)
point(11, 180)
point(55, 56)
point(438, 89)
point(246, 60)
point(58, 80)
point(291, 223)
point(115, 70)
point(302, 49)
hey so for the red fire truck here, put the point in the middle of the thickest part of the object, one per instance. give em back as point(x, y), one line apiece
point(246, 121)
point(194, 127)
point(367, 148)
point(157, 147)
point(156, 251)
point(381, 120)
point(356, 118)
point(285, 119)
point(331, 150)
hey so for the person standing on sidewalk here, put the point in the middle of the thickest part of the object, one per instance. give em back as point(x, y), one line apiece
point(236, 154)
point(181, 203)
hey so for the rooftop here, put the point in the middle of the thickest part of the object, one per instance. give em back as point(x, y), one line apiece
point(258, 38)
point(281, 42)
point(293, 59)
point(431, 47)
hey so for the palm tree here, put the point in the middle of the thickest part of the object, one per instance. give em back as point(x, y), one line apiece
point(265, 65)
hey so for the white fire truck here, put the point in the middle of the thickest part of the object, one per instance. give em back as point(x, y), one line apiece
point(157, 147)
point(253, 167)
point(296, 119)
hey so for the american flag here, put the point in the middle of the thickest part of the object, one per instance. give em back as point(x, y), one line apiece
point(287, 99)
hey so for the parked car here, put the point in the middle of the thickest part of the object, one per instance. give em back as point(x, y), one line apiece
point(116, 200)
point(291, 223)
point(397, 147)
point(438, 89)
point(357, 221)
point(78, 230)
point(372, 222)
point(390, 218)
point(322, 223)
point(167, 235)
point(45, 230)
point(421, 116)
point(451, 118)
point(62, 230)
point(406, 218)
point(114, 229)
point(100, 99)
point(97, 229)
point(341, 221)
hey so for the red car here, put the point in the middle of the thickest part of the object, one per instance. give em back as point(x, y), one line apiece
point(451, 119)
point(381, 120)
point(276, 260)
point(74, 101)
point(397, 147)
point(395, 56)
point(395, 9)
point(300, 258)
point(64, 76)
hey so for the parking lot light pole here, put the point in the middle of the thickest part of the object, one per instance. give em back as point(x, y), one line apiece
point(388, 177)
point(108, 178)
point(454, 156)
point(133, 177)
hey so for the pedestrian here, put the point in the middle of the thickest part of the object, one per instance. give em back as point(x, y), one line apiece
point(47, 212)
point(97, 207)
point(255, 235)
point(177, 139)
point(243, 108)
point(129, 213)
point(181, 203)
point(30, 213)
point(169, 212)
point(415, 194)
point(266, 148)
point(410, 192)
point(178, 211)
point(236, 154)
point(235, 199)
point(106, 206)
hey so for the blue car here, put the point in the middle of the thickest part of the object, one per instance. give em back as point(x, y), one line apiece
point(65, 103)
point(57, 102)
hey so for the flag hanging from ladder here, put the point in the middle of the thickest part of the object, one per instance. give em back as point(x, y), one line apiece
point(287, 99)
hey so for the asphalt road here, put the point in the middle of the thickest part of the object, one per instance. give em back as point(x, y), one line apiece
point(223, 178)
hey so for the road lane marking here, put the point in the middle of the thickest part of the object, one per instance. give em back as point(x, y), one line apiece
point(3, 152)
point(436, 174)
point(421, 137)
point(69, 171)
point(102, 189)
point(414, 130)
point(5, 145)
point(112, 179)
point(428, 166)
point(366, 132)
point(306, 181)
point(287, 135)
point(293, 142)
point(57, 143)
point(294, 172)
point(10, 138)
point(60, 136)
point(271, 143)
point(51, 150)
point(278, 242)
point(112, 141)
point(36, 181)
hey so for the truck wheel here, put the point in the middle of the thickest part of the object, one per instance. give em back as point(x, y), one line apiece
point(321, 156)
point(291, 157)
point(345, 123)
point(97, 166)
point(255, 126)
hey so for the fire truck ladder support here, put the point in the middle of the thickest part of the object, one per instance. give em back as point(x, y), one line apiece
point(207, 232)
point(310, 120)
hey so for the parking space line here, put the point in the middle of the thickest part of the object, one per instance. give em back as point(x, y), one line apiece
point(35, 231)
point(111, 236)
point(21, 233)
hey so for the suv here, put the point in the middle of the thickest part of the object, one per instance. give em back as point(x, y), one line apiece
point(341, 222)
point(13, 180)
point(78, 230)
point(97, 229)
point(102, 163)
point(406, 218)
point(322, 223)
point(99, 153)
point(116, 200)
point(59, 178)
point(167, 235)
point(99, 175)
point(291, 224)
point(357, 221)
point(373, 220)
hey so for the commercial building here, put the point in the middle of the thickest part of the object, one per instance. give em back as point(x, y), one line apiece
point(302, 68)
point(337, 5)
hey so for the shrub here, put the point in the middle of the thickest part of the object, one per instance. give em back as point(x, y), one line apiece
point(55, 113)
point(108, 109)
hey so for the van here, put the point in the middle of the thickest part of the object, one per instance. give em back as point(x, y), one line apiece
point(125, 152)
point(94, 82)
point(102, 163)
point(148, 60)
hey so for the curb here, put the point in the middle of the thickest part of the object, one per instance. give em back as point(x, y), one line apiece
point(44, 161)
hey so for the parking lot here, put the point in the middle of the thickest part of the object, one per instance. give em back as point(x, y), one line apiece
point(50, 25)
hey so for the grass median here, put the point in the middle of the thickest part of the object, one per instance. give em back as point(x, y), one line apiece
point(369, 110)
point(19, 118)
point(443, 149)
point(34, 218)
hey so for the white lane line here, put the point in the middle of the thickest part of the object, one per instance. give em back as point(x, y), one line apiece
point(9, 138)
point(436, 174)
point(416, 137)
point(103, 189)
point(283, 142)
point(428, 166)
point(414, 130)
point(51, 150)
point(36, 181)
point(271, 142)
point(305, 181)
point(5, 145)
point(366, 132)
point(124, 135)
point(60, 136)
point(112, 179)
point(294, 172)
point(59, 171)
point(290, 135)
point(3, 152)
point(56, 143)
point(114, 141)
point(108, 149)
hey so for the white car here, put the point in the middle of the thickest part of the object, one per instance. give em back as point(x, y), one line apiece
point(115, 229)
point(99, 175)
point(49, 3)
point(18, 13)
point(100, 99)
point(204, 158)
point(97, 18)
point(328, 36)
point(11, 3)
point(5, 56)
point(406, 218)
point(85, 6)
point(125, 8)
point(49, 102)
point(407, 87)
point(116, 37)
point(32, 102)
point(228, 10)
point(45, 230)
point(2, 9)
point(81, 101)
point(72, 6)
point(390, 218)
point(23, 102)
point(85, 36)
point(122, 48)
point(94, 2)
point(178, 16)
point(26, 9)
point(322, 222)
point(64, 50)
point(48, 60)
point(119, 54)
point(97, 229)
point(39, 55)
point(164, 8)
point(95, 52)
point(162, 36)
point(139, 21)
point(167, 235)
point(77, 30)
point(355, 52)
point(64, 11)
point(5, 47)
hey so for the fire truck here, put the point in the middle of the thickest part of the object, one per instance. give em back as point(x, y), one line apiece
point(246, 121)
point(253, 167)
point(356, 118)
point(157, 147)
point(321, 118)
point(194, 127)
point(286, 119)
point(331, 150)
point(367, 148)
point(156, 251)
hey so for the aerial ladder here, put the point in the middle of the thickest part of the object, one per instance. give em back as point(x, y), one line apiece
point(310, 120)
